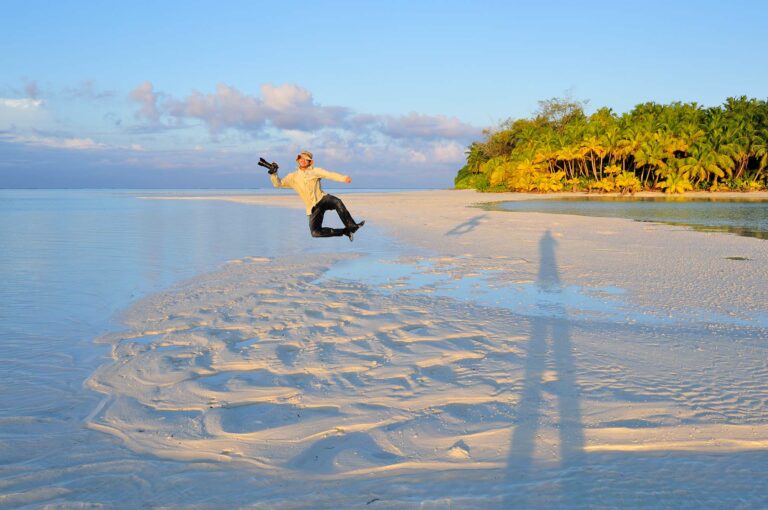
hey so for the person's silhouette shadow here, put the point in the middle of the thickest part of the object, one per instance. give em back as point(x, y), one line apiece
point(549, 348)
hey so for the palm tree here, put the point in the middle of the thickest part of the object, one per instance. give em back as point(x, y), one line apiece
point(476, 156)
point(760, 154)
point(673, 143)
point(568, 155)
point(691, 133)
point(592, 147)
point(676, 182)
point(610, 140)
point(652, 156)
point(703, 164)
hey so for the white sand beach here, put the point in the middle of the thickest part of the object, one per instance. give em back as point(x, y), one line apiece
point(503, 360)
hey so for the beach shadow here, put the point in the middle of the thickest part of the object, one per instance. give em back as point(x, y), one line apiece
point(549, 354)
point(466, 227)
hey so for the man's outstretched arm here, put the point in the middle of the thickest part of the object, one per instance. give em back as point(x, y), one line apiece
point(277, 182)
point(327, 174)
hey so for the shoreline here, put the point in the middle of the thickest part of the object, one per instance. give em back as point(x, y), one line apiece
point(528, 347)
point(447, 222)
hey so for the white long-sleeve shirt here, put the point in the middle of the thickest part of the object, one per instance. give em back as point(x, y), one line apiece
point(307, 184)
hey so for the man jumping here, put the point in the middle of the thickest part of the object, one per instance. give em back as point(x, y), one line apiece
point(306, 182)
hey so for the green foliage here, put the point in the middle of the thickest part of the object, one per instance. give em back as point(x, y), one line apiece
point(627, 182)
point(574, 184)
point(497, 169)
point(481, 183)
point(736, 184)
point(674, 147)
point(548, 182)
point(559, 112)
point(605, 184)
point(469, 180)
point(676, 183)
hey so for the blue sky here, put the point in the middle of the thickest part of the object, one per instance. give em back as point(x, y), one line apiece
point(190, 94)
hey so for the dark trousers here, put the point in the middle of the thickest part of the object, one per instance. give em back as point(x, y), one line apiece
point(327, 203)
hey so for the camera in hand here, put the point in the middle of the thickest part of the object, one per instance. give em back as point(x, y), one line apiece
point(271, 167)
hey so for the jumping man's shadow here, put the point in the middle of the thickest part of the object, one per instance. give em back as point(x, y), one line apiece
point(466, 227)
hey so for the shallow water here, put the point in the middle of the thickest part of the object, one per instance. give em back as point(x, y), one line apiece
point(487, 288)
point(743, 217)
point(70, 259)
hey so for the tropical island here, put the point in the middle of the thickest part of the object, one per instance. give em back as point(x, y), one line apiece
point(676, 147)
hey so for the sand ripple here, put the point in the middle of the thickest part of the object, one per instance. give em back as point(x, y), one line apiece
point(263, 363)
point(257, 363)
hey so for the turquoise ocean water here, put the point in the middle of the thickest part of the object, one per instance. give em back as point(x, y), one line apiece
point(70, 260)
point(746, 217)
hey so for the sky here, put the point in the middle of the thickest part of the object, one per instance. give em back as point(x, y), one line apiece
point(172, 94)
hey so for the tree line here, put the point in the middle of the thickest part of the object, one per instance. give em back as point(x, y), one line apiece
point(675, 147)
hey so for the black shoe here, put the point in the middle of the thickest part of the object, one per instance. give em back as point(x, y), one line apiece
point(357, 226)
point(350, 234)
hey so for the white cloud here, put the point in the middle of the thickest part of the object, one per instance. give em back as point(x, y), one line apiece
point(292, 108)
point(19, 115)
point(55, 142)
point(21, 104)
point(145, 95)
point(285, 97)
point(340, 154)
point(415, 156)
point(284, 106)
point(279, 120)
point(275, 122)
point(87, 90)
point(75, 143)
point(449, 152)
point(225, 108)
point(428, 126)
